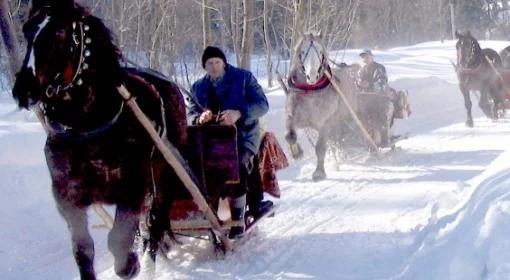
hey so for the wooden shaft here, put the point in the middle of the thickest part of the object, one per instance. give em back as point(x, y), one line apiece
point(282, 83)
point(170, 153)
point(353, 113)
point(105, 216)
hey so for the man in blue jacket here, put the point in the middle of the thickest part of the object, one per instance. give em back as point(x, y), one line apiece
point(236, 94)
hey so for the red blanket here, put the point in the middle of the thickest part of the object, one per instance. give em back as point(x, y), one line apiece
point(271, 158)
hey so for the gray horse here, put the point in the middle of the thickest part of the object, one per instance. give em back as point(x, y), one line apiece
point(312, 102)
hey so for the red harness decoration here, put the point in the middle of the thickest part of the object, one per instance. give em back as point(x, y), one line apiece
point(68, 73)
point(320, 84)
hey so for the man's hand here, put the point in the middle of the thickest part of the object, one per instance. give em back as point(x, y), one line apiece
point(205, 117)
point(229, 117)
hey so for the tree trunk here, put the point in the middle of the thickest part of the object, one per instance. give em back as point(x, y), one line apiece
point(235, 18)
point(206, 24)
point(452, 18)
point(247, 39)
point(11, 44)
point(298, 24)
point(267, 42)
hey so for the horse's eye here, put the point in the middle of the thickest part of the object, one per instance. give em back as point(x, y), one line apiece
point(61, 34)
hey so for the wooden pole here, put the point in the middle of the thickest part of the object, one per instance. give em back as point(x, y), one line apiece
point(171, 155)
point(353, 113)
point(282, 83)
point(105, 216)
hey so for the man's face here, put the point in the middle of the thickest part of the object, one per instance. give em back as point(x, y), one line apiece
point(215, 67)
point(367, 59)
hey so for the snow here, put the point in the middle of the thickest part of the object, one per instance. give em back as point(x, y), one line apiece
point(437, 208)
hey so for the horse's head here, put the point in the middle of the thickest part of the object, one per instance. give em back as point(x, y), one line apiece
point(468, 50)
point(65, 44)
point(310, 57)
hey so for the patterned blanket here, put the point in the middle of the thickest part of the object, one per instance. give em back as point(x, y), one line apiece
point(270, 159)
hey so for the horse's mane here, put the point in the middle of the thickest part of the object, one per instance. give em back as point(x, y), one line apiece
point(104, 48)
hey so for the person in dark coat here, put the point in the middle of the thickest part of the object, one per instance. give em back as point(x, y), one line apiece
point(239, 100)
point(372, 76)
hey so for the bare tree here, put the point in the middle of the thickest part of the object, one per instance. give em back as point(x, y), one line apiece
point(248, 32)
point(206, 23)
point(267, 42)
point(9, 37)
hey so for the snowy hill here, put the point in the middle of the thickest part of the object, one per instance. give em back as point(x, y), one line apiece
point(437, 208)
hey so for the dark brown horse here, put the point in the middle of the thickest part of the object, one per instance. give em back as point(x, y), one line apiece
point(96, 150)
point(477, 70)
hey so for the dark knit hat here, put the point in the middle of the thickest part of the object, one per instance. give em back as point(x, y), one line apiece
point(210, 52)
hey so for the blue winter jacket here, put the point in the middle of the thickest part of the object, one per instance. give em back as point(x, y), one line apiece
point(237, 90)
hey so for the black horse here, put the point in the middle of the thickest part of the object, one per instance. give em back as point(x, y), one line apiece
point(96, 150)
point(477, 70)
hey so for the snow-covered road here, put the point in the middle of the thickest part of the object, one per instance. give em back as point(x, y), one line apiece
point(403, 215)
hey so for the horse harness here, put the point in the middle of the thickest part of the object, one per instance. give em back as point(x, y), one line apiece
point(321, 83)
point(464, 71)
point(72, 79)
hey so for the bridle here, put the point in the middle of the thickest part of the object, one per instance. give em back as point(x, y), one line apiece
point(80, 41)
point(321, 57)
point(322, 82)
point(468, 59)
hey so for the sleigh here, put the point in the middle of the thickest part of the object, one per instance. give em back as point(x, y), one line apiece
point(213, 159)
point(373, 110)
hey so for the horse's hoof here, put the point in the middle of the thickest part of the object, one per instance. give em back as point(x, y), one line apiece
point(318, 175)
point(296, 151)
point(130, 269)
point(469, 123)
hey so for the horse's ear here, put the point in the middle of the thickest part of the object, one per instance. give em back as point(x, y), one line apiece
point(63, 6)
point(319, 34)
point(457, 34)
point(52, 3)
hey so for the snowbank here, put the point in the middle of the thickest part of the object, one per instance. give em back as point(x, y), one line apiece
point(472, 242)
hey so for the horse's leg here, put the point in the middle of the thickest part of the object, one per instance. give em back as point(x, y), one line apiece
point(320, 151)
point(120, 242)
point(468, 105)
point(83, 245)
point(291, 137)
point(484, 103)
point(496, 95)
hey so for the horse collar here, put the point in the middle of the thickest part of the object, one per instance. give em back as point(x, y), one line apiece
point(320, 84)
point(62, 131)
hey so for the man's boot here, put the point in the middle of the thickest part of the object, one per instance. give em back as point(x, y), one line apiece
point(237, 210)
point(259, 208)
